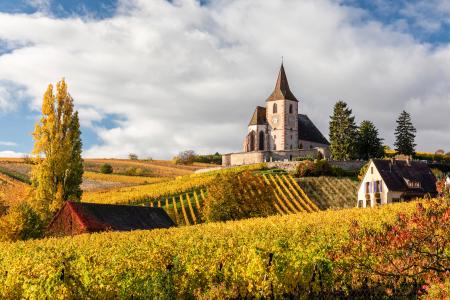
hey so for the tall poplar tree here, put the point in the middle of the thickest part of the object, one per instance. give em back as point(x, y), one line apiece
point(369, 143)
point(405, 135)
point(58, 170)
point(343, 133)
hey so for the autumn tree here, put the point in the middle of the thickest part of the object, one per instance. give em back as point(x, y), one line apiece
point(369, 143)
point(58, 170)
point(234, 197)
point(405, 135)
point(343, 133)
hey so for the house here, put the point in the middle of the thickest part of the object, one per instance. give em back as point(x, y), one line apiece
point(78, 217)
point(389, 181)
point(277, 131)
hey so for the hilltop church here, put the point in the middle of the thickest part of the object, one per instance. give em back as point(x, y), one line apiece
point(277, 132)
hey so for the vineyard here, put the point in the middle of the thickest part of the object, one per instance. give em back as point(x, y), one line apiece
point(12, 190)
point(330, 192)
point(256, 258)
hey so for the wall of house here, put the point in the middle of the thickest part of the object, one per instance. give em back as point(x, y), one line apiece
point(372, 177)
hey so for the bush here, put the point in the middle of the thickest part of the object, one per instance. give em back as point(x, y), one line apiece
point(133, 156)
point(106, 169)
point(185, 158)
point(215, 158)
point(238, 196)
point(317, 168)
point(136, 172)
point(21, 223)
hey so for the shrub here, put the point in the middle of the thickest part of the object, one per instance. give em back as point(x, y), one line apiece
point(136, 171)
point(406, 256)
point(133, 156)
point(21, 223)
point(305, 168)
point(106, 169)
point(317, 168)
point(238, 196)
point(185, 158)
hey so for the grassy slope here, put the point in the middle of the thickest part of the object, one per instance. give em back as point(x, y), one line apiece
point(330, 192)
point(181, 262)
point(12, 190)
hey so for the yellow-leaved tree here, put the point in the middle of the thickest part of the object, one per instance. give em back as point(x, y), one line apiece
point(58, 170)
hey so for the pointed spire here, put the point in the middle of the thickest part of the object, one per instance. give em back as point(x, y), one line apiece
point(282, 91)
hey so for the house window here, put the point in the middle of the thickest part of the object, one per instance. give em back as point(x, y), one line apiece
point(395, 200)
point(290, 109)
point(378, 201)
point(360, 203)
point(367, 187)
point(301, 146)
point(371, 170)
point(274, 109)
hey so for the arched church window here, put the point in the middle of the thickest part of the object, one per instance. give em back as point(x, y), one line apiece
point(261, 141)
point(274, 109)
point(290, 109)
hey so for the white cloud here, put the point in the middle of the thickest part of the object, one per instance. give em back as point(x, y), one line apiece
point(185, 76)
point(12, 154)
point(8, 144)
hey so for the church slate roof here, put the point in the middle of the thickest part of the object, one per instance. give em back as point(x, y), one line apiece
point(282, 91)
point(307, 131)
point(259, 116)
point(394, 173)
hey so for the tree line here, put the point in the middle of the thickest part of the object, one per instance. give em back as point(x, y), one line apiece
point(349, 141)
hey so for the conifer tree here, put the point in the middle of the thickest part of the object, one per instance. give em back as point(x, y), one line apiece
point(343, 133)
point(405, 135)
point(369, 142)
point(58, 170)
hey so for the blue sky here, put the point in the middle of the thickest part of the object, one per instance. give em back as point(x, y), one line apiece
point(413, 32)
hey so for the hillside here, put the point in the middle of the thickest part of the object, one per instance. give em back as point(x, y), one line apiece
point(268, 257)
point(330, 192)
point(12, 190)
point(126, 172)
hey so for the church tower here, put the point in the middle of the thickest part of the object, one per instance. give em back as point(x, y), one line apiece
point(282, 116)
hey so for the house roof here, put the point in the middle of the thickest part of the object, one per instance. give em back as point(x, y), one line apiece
point(307, 131)
point(396, 172)
point(259, 116)
point(282, 91)
point(100, 217)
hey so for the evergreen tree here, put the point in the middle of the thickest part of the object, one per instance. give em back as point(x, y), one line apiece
point(343, 133)
point(405, 135)
point(58, 169)
point(369, 143)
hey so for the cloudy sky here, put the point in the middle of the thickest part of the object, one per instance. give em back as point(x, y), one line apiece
point(155, 77)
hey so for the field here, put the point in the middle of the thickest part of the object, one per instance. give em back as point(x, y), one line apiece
point(330, 192)
point(126, 172)
point(12, 190)
point(185, 208)
point(263, 258)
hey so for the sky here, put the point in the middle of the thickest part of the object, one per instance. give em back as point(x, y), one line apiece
point(158, 77)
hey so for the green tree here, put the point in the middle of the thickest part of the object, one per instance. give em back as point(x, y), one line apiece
point(58, 170)
point(106, 169)
point(369, 143)
point(343, 133)
point(405, 135)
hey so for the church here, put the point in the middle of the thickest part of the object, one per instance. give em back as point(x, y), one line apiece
point(277, 132)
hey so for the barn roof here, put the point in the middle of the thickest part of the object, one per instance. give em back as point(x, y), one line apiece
point(259, 116)
point(396, 172)
point(100, 217)
point(307, 131)
point(282, 91)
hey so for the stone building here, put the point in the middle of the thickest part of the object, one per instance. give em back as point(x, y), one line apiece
point(277, 132)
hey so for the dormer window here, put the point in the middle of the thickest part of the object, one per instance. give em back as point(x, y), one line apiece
point(412, 184)
point(274, 108)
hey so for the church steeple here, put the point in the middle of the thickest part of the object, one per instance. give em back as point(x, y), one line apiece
point(282, 91)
